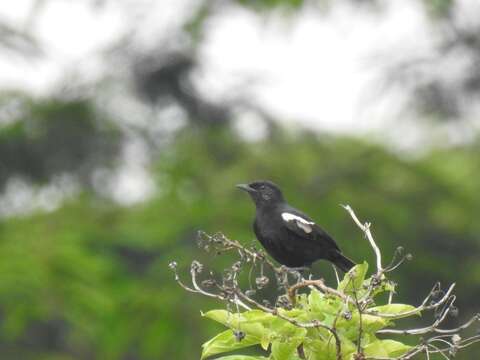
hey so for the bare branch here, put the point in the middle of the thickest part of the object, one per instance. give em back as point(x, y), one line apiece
point(318, 284)
point(418, 309)
point(432, 328)
point(198, 290)
point(366, 229)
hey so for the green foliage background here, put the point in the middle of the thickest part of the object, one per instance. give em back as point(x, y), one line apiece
point(90, 280)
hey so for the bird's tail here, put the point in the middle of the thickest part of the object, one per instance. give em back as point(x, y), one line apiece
point(342, 262)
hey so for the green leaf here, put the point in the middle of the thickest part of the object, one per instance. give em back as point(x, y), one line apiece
point(250, 321)
point(302, 300)
point(226, 341)
point(282, 328)
point(264, 327)
point(324, 308)
point(394, 309)
point(327, 350)
point(353, 280)
point(389, 348)
point(293, 313)
point(285, 350)
point(265, 342)
point(299, 314)
point(315, 299)
point(227, 318)
point(222, 316)
point(386, 286)
point(241, 357)
point(371, 323)
point(257, 316)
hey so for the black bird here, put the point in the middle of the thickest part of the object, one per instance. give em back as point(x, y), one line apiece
point(287, 234)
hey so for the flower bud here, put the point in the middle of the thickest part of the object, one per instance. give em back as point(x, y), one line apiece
point(262, 281)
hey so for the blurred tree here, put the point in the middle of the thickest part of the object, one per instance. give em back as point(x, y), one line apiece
point(165, 81)
point(17, 42)
point(44, 138)
point(444, 83)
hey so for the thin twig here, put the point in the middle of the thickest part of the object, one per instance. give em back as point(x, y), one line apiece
point(366, 229)
point(317, 283)
point(198, 290)
point(418, 309)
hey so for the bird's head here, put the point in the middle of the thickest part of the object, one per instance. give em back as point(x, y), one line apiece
point(263, 192)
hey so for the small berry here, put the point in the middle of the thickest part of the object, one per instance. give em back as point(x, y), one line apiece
point(239, 335)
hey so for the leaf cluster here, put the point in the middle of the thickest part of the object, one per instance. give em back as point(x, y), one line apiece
point(355, 327)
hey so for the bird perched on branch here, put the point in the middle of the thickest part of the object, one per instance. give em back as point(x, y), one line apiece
point(287, 234)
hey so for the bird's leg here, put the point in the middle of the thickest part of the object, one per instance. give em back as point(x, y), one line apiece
point(297, 272)
point(298, 275)
point(300, 268)
point(292, 269)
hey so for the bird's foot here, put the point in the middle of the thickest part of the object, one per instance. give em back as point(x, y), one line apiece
point(294, 269)
point(297, 272)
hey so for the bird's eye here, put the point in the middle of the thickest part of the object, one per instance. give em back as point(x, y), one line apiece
point(262, 187)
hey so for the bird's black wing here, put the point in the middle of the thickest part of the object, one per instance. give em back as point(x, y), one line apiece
point(301, 225)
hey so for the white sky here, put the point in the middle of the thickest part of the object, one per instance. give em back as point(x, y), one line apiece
point(320, 71)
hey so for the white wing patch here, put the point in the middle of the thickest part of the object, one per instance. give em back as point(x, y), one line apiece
point(301, 222)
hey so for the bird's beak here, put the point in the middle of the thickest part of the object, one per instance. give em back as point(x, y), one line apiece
point(246, 187)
